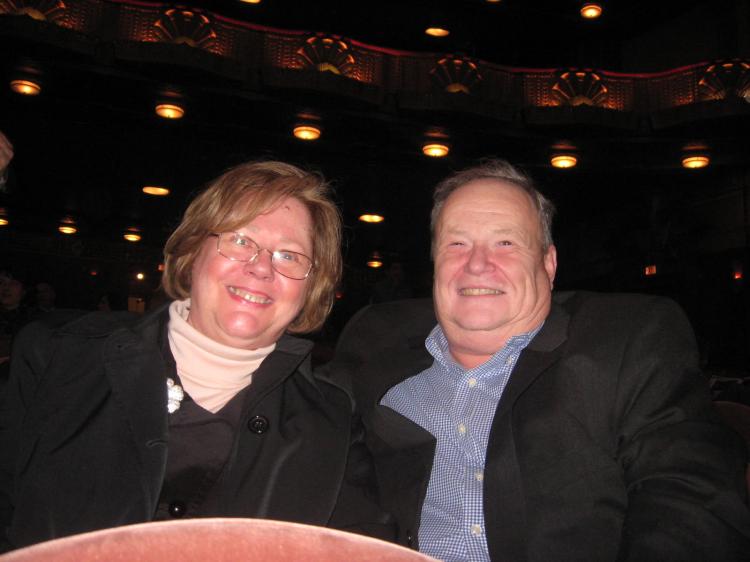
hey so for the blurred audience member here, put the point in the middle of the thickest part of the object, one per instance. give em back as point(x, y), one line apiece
point(13, 313)
point(45, 297)
point(111, 300)
point(6, 155)
point(394, 287)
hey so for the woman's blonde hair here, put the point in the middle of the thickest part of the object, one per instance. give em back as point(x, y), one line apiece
point(236, 198)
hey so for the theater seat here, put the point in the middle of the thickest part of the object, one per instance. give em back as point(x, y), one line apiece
point(218, 540)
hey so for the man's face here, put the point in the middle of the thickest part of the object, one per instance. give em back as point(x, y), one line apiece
point(492, 279)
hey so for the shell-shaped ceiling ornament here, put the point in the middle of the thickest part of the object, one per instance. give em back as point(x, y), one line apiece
point(456, 74)
point(326, 53)
point(185, 26)
point(579, 87)
point(723, 79)
point(42, 10)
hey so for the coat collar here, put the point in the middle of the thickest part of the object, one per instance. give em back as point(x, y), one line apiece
point(544, 350)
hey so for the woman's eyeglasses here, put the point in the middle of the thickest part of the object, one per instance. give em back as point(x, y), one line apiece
point(238, 247)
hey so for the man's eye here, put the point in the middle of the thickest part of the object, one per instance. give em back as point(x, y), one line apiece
point(505, 243)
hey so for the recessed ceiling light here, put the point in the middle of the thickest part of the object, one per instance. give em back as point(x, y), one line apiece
point(437, 31)
point(25, 87)
point(564, 161)
point(169, 111)
point(695, 161)
point(435, 149)
point(307, 132)
point(591, 10)
point(158, 190)
point(372, 218)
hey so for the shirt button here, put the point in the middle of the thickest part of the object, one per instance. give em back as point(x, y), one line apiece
point(461, 429)
point(177, 509)
point(509, 360)
point(476, 530)
point(258, 424)
point(479, 475)
point(472, 382)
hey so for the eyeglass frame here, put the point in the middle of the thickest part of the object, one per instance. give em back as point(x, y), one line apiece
point(260, 249)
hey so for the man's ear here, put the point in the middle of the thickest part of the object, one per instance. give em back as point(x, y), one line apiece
point(550, 263)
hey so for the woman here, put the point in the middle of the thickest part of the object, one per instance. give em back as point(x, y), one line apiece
point(204, 407)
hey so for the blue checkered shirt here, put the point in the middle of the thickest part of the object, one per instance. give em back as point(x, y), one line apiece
point(457, 406)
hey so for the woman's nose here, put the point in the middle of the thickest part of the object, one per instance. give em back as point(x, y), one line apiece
point(260, 265)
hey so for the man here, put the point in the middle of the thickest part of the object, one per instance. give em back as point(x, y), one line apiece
point(537, 428)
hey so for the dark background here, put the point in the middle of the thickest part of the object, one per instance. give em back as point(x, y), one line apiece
point(90, 141)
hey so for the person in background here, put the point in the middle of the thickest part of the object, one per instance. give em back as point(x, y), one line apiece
point(6, 155)
point(206, 406)
point(45, 296)
point(515, 425)
point(13, 312)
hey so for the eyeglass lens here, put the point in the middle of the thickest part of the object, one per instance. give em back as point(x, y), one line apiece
point(237, 247)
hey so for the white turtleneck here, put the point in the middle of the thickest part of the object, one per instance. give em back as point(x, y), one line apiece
point(210, 372)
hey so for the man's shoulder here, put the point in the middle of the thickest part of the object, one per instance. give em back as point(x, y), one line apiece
point(607, 316)
point(622, 305)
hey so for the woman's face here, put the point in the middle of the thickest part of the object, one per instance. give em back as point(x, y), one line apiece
point(249, 305)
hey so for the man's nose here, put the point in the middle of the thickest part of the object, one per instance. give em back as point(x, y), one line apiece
point(479, 259)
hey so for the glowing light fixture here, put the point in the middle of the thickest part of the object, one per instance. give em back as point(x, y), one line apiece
point(160, 267)
point(67, 226)
point(649, 270)
point(250, 1)
point(169, 111)
point(591, 10)
point(375, 260)
point(307, 132)
point(132, 234)
point(4, 220)
point(140, 276)
point(435, 149)
point(695, 161)
point(158, 190)
point(371, 218)
point(563, 161)
point(737, 275)
point(25, 87)
point(437, 31)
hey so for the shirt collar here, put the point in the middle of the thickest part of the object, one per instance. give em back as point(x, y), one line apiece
point(437, 345)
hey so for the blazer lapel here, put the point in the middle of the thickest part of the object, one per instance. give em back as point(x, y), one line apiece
point(543, 351)
point(504, 505)
point(137, 374)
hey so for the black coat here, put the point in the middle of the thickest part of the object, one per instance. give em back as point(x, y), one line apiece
point(604, 445)
point(84, 435)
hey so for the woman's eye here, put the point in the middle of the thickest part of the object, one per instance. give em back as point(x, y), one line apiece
point(240, 241)
point(286, 256)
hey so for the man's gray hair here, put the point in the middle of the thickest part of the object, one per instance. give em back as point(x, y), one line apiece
point(503, 171)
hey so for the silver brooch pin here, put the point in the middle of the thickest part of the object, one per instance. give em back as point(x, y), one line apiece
point(175, 394)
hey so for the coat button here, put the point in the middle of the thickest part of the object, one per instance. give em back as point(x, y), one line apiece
point(258, 424)
point(409, 539)
point(177, 509)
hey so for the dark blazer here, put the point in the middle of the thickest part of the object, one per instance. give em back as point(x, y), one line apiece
point(604, 445)
point(84, 435)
